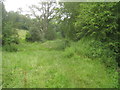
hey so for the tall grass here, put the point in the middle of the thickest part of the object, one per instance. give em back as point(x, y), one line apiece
point(53, 64)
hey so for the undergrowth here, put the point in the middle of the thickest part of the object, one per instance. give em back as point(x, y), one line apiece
point(92, 49)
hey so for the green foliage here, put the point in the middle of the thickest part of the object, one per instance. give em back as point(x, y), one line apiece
point(36, 35)
point(18, 20)
point(22, 34)
point(90, 19)
point(92, 49)
point(35, 32)
point(50, 34)
point(63, 63)
point(10, 22)
point(68, 15)
point(97, 20)
point(9, 35)
point(58, 35)
point(10, 48)
point(28, 37)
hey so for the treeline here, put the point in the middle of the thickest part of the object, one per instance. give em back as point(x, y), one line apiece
point(44, 25)
point(70, 20)
point(100, 21)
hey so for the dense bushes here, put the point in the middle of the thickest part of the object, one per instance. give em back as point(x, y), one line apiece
point(28, 37)
point(50, 34)
point(93, 49)
point(97, 20)
point(90, 19)
point(9, 34)
point(18, 20)
point(10, 48)
point(9, 38)
point(37, 34)
point(34, 35)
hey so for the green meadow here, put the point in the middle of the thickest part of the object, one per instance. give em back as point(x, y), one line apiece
point(60, 45)
point(52, 65)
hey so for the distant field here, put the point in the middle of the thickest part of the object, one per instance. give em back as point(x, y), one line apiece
point(22, 33)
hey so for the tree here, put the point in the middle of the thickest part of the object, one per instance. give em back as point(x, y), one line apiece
point(18, 20)
point(94, 20)
point(43, 13)
point(9, 34)
point(68, 12)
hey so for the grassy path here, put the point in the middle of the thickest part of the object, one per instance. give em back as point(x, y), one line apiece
point(38, 65)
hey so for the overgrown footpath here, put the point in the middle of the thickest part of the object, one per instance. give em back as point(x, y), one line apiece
point(59, 64)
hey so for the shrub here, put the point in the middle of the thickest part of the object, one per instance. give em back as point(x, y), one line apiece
point(93, 49)
point(28, 37)
point(34, 35)
point(50, 34)
point(9, 37)
point(10, 48)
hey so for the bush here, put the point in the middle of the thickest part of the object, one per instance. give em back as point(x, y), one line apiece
point(50, 34)
point(9, 34)
point(10, 48)
point(10, 39)
point(34, 35)
point(10, 44)
point(28, 37)
point(93, 49)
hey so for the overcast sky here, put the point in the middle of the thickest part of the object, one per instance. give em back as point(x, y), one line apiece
point(13, 5)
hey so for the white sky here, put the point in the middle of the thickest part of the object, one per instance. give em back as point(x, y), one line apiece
point(13, 5)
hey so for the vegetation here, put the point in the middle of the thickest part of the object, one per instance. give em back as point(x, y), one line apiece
point(65, 45)
point(40, 65)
